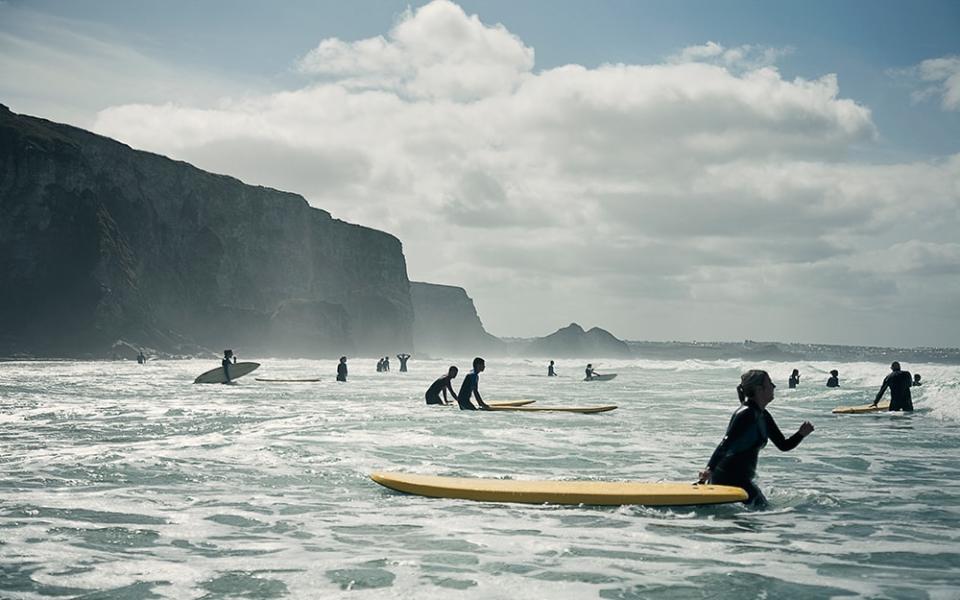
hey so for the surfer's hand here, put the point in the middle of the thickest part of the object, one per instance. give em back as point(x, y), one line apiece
point(705, 476)
point(806, 428)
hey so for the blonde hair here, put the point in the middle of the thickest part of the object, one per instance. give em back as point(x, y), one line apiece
point(750, 383)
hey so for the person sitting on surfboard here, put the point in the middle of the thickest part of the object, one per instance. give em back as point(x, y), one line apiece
point(734, 462)
point(590, 373)
point(342, 369)
point(794, 378)
point(403, 357)
point(550, 371)
point(899, 383)
point(470, 387)
point(442, 385)
point(225, 363)
point(834, 380)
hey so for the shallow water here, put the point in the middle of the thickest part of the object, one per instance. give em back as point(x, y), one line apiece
point(126, 481)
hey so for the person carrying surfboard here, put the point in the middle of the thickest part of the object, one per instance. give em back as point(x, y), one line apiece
point(226, 362)
point(470, 387)
point(899, 383)
point(442, 385)
point(734, 462)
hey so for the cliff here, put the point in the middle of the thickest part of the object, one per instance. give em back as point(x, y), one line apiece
point(102, 242)
point(573, 341)
point(446, 323)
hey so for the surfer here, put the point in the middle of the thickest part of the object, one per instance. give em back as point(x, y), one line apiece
point(380, 365)
point(899, 383)
point(589, 372)
point(225, 363)
point(342, 369)
point(834, 380)
point(470, 387)
point(386, 364)
point(442, 385)
point(403, 357)
point(916, 379)
point(794, 378)
point(550, 370)
point(141, 359)
point(734, 462)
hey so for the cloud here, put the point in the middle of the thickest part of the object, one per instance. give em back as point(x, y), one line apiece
point(705, 184)
point(933, 78)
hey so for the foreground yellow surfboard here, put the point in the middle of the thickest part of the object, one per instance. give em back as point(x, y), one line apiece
point(573, 409)
point(611, 493)
point(857, 410)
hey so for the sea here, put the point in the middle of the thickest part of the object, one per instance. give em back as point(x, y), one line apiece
point(127, 481)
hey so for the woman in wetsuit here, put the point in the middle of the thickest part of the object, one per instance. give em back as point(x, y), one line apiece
point(734, 462)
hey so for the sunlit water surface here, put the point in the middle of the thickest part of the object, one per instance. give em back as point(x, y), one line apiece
point(127, 481)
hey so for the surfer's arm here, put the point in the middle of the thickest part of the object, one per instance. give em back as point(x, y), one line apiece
point(776, 436)
point(883, 388)
point(480, 402)
point(452, 393)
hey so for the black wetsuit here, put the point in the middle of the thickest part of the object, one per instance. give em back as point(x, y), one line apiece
point(833, 382)
point(467, 389)
point(899, 383)
point(588, 373)
point(734, 462)
point(342, 372)
point(225, 363)
point(403, 362)
point(794, 381)
point(551, 372)
point(433, 393)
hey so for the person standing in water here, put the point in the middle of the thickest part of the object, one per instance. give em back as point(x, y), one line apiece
point(470, 387)
point(899, 383)
point(734, 462)
point(916, 379)
point(794, 378)
point(834, 380)
point(551, 372)
point(386, 364)
point(225, 363)
point(342, 369)
point(442, 385)
point(141, 359)
point(403, 357)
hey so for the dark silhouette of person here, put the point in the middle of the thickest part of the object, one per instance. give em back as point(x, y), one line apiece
point(225, 363)
point(380, 365)
point(794, 378)
point(834, 380)
point(141, 359)
point(386, 364)
point(916, 379)
point(550, 370)
point(899, 383)
point(734, 462)
point(342, 369)
point(470, 387)
point(442, 385)
point(403, 357)
point(589, 372)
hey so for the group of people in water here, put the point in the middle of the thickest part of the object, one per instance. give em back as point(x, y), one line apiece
point(469, 388)
point(898, 382)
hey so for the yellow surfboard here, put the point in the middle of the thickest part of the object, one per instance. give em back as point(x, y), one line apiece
point(611, 493)
point(508, 403)
point(857, 410)
point(572, 409)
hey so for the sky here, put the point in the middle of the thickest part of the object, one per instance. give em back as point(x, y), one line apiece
point(689, 170)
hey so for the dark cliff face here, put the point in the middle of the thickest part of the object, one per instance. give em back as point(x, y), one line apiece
point(446, 323)
point(101, 242)
point(572, 341)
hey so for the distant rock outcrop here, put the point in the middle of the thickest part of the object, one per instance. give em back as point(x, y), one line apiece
point(101, 242)
point(573, 341)
point(446, 323)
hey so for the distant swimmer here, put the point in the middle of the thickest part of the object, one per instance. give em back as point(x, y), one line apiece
point(442, 385)
point(141, 359)
point(403, 358)
point(470, 387)
point(794, 378)
point(386, 364)
point(734, 462)
point(342, 369)
point(916, 379)
point(834, 380)
point(550, 370)
point(899, 383)
point(226, 362)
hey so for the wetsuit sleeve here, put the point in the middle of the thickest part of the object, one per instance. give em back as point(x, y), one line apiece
point(737, 430)
point(883, 388)
point(776, 436)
